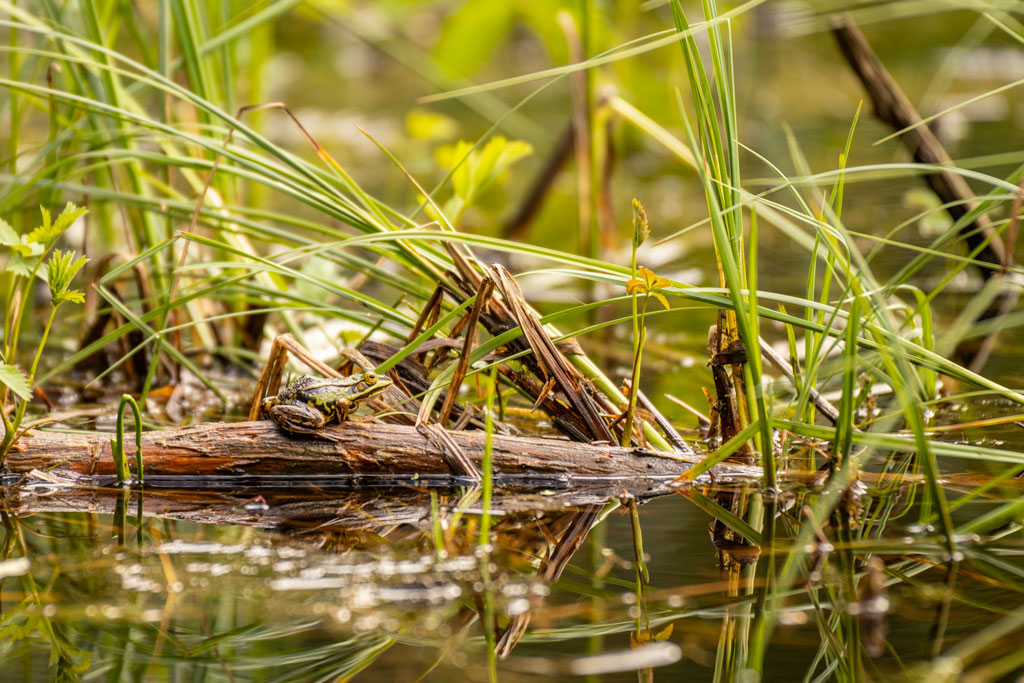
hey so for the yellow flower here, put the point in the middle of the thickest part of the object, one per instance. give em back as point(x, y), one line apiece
point(648, 284)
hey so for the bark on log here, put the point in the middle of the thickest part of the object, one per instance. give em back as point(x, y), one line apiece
point(260, 449)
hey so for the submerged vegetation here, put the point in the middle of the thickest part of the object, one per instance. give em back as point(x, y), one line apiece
point(858, 448)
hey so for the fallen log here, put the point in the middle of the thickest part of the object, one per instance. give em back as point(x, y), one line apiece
point(260, 449)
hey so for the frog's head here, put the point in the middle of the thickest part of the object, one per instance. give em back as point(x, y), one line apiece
point(355, 389)
point(367, 384)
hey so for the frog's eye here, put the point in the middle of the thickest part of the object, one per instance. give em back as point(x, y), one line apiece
point(370, 378)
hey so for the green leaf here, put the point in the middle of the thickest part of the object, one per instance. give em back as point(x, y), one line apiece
point(498, 155)
point(19, 266)
point(428, 125)
point(489, 157)
point(12, 378)
point(67, 217)
point(8, 236)
point(471, 34)
point(61, 269)
point(48, 232)
point(19, 245)
point(481, 167)
point(74, 296)
point(462, 180)
point(29, 249)
point(40, 232)
point(447, 156)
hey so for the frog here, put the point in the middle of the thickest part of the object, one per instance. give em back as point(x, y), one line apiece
point(308, 404)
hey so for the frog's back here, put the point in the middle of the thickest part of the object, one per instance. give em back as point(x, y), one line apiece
point(299, 384)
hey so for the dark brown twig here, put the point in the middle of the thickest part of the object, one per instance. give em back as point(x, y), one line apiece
point(517, 225)
point(552, 362)
point(894, 108)
point(429, 314)
point(483, 294)
point(821, 403)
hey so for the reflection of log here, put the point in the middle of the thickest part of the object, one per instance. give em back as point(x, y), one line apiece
point(354, 511)
point(260, 449)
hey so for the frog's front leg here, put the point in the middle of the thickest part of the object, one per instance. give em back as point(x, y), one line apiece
point(342, 408)
point(299, 418)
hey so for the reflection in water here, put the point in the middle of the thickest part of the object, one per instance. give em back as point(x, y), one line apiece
point(366, 564)
point(319, 584)
point(550, 570)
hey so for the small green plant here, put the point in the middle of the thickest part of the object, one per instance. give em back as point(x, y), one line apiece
point(472, 171)
point(117, 443)
point(31, 257)
point(648, 285)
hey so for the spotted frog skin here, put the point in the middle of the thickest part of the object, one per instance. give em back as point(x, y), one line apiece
point(309, 403)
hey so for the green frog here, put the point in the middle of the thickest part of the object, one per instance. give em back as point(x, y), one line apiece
point(310, 403)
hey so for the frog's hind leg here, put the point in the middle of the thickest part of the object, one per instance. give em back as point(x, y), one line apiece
point(299, 418)
point(309, 431)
